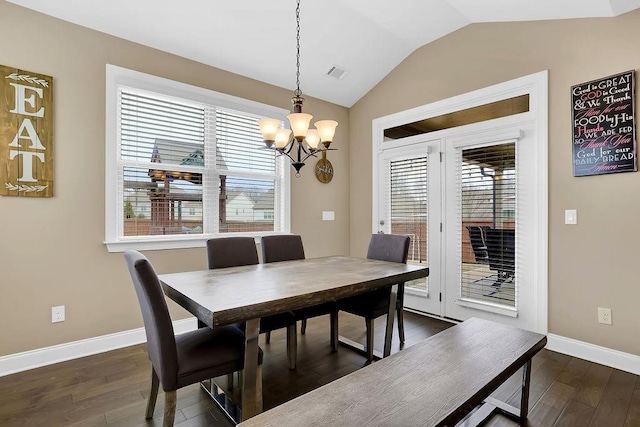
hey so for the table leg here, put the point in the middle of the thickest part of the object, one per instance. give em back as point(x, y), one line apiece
point(526, 384)
point(388, 335)
point(250, 404)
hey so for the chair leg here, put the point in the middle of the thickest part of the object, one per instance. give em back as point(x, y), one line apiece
point(292, 345)
point(303, 329)
point(400, 312)
point(169, 408)
point(268, 337)
point(369, 323)
point(334, 330)
point(153, 394)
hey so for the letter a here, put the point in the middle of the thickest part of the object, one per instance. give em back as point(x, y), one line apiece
point(31, 135)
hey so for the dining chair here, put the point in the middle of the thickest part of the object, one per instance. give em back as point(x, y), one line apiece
point(184, 359)
point(238, 251)
point(289, 247)
point(501, 249)
point(382, 247)
point(478, 244)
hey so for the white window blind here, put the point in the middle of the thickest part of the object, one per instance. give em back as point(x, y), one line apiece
point(186, 169)
point(408, 204)
point(248, 175)
point(487, 183)
point(162, 165)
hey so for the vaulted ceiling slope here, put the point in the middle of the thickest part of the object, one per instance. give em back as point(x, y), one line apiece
point(256, 38)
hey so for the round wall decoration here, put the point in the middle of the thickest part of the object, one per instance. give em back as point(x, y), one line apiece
point(324, 170)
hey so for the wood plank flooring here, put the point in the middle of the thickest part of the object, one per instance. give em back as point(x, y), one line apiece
point(110, 389)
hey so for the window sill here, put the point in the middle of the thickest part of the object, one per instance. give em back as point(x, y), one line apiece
point(492, 308)
point(174, 242)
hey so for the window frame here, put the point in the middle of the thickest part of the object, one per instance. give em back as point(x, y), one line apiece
point(115, 241)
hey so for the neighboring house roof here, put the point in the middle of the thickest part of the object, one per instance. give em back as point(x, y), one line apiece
point(265, 202)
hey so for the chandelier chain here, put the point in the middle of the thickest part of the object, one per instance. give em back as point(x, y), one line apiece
point(298, 92)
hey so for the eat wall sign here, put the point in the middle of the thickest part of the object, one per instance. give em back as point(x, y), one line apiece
point(26, 133)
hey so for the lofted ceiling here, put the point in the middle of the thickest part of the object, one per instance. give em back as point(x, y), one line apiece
point(256, 38)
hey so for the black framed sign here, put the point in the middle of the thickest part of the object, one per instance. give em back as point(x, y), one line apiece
point(603, 123)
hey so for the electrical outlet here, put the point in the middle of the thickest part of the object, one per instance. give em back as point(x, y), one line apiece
point(57, 314)
point(604, 315)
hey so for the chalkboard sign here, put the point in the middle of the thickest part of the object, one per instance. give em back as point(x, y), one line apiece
point(604, 136)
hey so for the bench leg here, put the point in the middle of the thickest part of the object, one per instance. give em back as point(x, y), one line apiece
point(491, 405)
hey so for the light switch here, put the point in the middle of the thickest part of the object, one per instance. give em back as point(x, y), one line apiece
point(328, 215)
point(571, 216)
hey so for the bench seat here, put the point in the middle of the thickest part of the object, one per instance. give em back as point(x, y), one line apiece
point(436, 382)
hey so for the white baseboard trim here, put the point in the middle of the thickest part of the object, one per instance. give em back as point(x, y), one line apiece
point(594, 353)
point(32, 359)
point(24, 361)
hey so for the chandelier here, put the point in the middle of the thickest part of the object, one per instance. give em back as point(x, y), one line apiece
point(298, 143)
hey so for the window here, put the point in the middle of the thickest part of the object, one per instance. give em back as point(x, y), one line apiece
point(185, 164)
point(487, 183)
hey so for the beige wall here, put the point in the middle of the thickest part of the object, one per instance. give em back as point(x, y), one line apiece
point(593, 264)
point(51, 250)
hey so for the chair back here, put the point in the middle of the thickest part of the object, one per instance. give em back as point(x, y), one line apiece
point(161, 342)
point(477, 239)
point(282, 248)
point(501, 246)
point(389, 247)
point(231, 252)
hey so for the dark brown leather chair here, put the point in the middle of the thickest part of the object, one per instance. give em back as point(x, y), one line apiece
point(383, 247)
point(181, 360)
point(288, 248)
point(238, 251)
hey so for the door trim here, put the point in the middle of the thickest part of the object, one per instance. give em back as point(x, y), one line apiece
point(536, 85)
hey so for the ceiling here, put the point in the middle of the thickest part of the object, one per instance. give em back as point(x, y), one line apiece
point(256, 38)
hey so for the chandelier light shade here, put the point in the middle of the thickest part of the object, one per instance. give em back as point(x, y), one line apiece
point(299, 124)
point(326, 129)
point(269, 129)
point(300, 142)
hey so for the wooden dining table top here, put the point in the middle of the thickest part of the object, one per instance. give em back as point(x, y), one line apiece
point(236, 294)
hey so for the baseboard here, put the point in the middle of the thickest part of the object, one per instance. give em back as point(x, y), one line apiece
point(594, 353)
point(24, 361)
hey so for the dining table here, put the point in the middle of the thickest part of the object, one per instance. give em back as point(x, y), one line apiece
point(245, 294)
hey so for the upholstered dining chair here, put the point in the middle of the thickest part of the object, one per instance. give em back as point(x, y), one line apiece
point(238, 251)
point(289, 247)
point(188, 358)
point(382, 247)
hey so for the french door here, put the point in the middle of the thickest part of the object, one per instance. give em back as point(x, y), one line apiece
point(409, 203)
point(466, 202)
point(489, 239)
point(471, 170)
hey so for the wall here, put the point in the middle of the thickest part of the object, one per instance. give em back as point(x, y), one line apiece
point(51, 250)
point(592, 264)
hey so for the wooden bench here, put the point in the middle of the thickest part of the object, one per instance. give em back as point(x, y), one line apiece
point(437, 382)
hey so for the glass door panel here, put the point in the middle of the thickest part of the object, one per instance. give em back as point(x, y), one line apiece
point(488, 211)
point(409, 204)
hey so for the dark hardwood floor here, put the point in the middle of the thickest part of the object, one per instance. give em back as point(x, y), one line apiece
point(111, 388)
